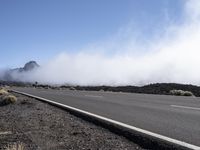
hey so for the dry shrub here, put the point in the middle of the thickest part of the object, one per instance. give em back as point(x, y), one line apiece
point(9, 99)
point(15, 146)
point(181, 93)
point(188, 93)
point(3, 92)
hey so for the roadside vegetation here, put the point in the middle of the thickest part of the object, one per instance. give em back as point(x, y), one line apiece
point(3, 92)
point(181, 93)
point(6, 98)
point(15, 146)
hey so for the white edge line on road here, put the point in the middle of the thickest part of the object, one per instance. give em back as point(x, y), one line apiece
point(168, 139)
point(185, 107)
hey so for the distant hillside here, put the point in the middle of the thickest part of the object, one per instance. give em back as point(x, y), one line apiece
point(10, 74)
point(158, 88)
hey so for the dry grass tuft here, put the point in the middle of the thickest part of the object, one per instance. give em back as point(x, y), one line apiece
point(9, 99)
point(15, 146)
point(181, 93)
point(3, 92)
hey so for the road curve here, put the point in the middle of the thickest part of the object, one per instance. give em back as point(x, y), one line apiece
point(174, 117)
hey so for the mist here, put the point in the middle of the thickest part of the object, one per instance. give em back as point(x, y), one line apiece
point(172, 56)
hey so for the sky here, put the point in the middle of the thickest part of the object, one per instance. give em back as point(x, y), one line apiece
point(102, 42)
point(40, 29)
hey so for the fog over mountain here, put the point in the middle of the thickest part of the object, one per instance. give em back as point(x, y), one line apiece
point(171, 57)
point(18, 73)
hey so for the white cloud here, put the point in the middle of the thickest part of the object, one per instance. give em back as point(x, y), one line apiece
point(170, 58)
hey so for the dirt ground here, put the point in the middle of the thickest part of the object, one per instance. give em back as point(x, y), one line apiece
point(33, 125)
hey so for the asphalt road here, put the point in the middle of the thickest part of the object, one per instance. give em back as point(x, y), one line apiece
point(174, 117)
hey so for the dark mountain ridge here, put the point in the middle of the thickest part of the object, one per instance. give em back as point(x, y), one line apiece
point(10, 74)
point(29, 66)
point(156, 88)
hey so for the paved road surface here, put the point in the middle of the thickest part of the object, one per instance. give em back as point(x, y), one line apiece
point(174, 117)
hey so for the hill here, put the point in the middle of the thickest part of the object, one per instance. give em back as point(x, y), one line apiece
point(157, 88)
point(11, 74)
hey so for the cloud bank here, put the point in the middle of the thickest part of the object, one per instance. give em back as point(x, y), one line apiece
point(169, 57)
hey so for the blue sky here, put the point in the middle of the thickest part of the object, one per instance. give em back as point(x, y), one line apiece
point(40, 29)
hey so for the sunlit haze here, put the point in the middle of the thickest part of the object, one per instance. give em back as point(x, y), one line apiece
point(122, 42)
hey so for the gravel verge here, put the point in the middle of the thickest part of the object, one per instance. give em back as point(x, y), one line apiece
point(30, 124)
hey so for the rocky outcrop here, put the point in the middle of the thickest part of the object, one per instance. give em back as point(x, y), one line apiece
point(10, 74)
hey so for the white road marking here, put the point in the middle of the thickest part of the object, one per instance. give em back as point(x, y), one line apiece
point(185, 107)
point(96, 96)
point(159, 136)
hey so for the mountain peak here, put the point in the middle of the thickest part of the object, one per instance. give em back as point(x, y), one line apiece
point(15, 74)
point(30, 65)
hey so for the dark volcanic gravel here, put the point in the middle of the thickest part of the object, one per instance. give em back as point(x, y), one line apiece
point(30, 124)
